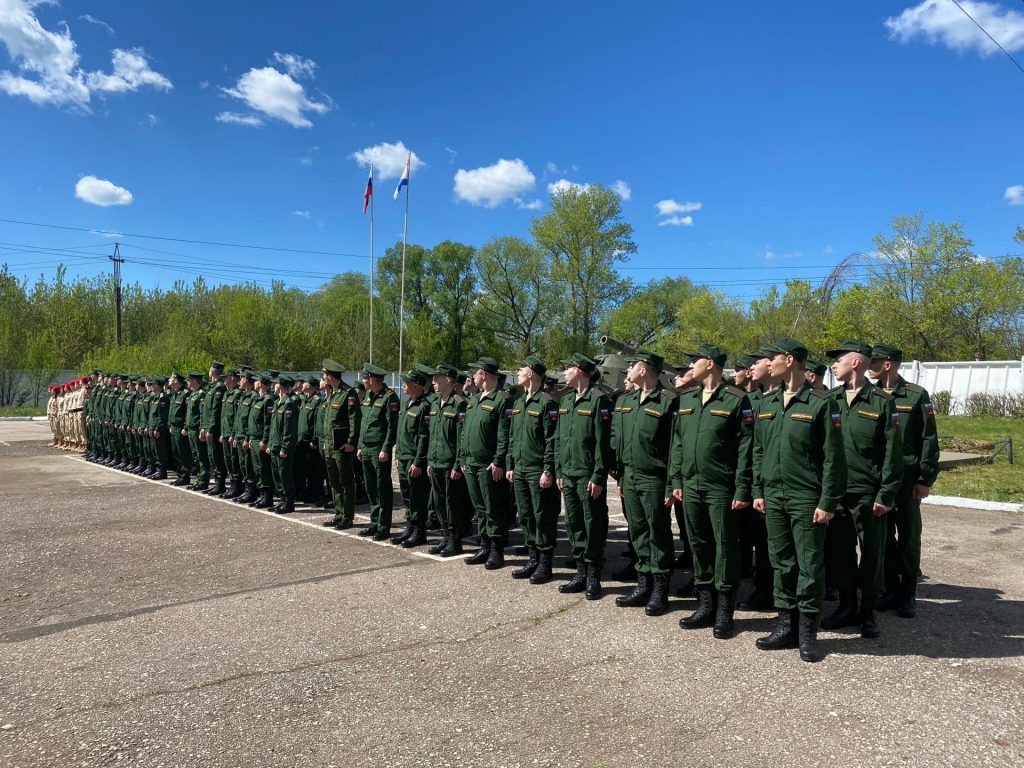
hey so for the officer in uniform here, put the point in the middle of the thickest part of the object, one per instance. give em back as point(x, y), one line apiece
point(799, 479)
point(815, 373)
point(646, 419)
point(282, 441)
point(583, 456)
point(239, 433)
point(447, 482)
point(874, 460)
point(209, 433)
point(257, 433)
point(920, 468)
point(340, 418)
point(411, 452)
point(227, 428)
point(159, 428)
point(531, 469)
point(482, 452)
point(193, 421)
point(180, 450)
point(378, 432)
point(711, 473)
point(308, 461)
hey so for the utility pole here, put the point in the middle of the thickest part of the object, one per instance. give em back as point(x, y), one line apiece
point(118, 261)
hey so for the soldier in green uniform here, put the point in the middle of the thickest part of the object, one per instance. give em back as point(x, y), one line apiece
point(308, 458)
point(257, 433)
point(239, 433)
point(447, 482)
point(583, 457)
point(411, 452)
point(920, 469)
point(482, 450)
point(711, 473)
point(227, 427)
point(282, 442)
point(874, 460)
point(646, 418)
point(181, 453)
point(531, 469)
point(133, 421)
point(340, 418)
point(815, 373)
point(209, 433)
point(799, 479)
point(193, 419)
point(378, 433)
point(159, 428)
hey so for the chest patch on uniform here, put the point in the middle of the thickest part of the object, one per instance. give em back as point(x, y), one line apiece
point(563, 410)
point(685, 411)
point(351, 400)
point(393, 407)
point(720, 412)
point(802, 416)
point(868, 414)
point(652, 412)
point(487, 408)
point(895, 419)
point(837, 421)
point(582, 411)
point(929, 409)
point(748, 416)
point(605, 415)
point(766, 415)
point(904, 407)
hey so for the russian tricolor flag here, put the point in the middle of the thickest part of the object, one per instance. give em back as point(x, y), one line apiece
point(404, 181)
point(369, 191)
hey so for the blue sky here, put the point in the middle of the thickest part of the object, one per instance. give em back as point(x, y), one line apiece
point(751, 142)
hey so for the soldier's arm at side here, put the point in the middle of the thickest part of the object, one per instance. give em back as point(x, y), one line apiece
point(892, 461)
point(745, 444)
point(929, 443)
point(833, 473)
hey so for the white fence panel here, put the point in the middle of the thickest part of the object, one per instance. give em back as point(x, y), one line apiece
point(962, 379)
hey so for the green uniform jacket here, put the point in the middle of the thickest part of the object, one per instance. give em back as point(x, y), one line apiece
point(484, 437)
point(227, 411)
point(414, 432)
point(646, 430)
point(378, 430)
point(871, 435)
point(257, 428)
point(159, 410)
point(531, 438)
point(583, 446)
point(242, 406)
point(340, 410)
point(917, 428)
point(178, 409)
point(307, 418)
point(212, 404)
point(712, 442)
point(194, 409)
point(798, 451)
point(446, 419)
point(284, 425)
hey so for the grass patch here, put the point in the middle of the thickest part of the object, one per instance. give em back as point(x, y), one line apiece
point(22, 410)
point(998, 481)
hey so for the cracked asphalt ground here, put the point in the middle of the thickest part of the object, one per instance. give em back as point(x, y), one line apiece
point(145, 626)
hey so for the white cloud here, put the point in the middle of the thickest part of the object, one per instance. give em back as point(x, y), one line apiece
point(492, 185)
point(150, 120)
point(552, 168)
point(47, 63)
point(99, 23)
point(101, 192)
point(1014, 195)
point(452, 154)
point(564, 185)
point(671, 207)
point(308, 158)
point(676, 221)
point(622, 189)
point(828, 249)
point(237, 118)
point(770, 254)
point(274, 94)
point(388, 159)
point(528, 205)
point(302, 215)
point(295, 65)
point(204, 84)
point(941, 22)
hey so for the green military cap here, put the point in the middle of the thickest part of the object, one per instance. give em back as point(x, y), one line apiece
point(176, 374)
point(816, 366)
point(244, 367)
point(887, 352)
point(265, 378)
point(551, 381)
point(369, 369)
point(273, 374)
point(488, 364)
point(217, 365)
point(232, 372)
point(461, 376)
point(535, 364)
point(584, 363)
point(247, 373)
point(647, 357)
point(160, 380)
point(195, 375)
point(285, 378)
point(765, 352)
point(314, 380)
point(331, 367)
point(787, 345)
point(850, 345)
point(419, 377)
point(446, 369)
point(426, 370)
point(711, 352)
point(685, 362)
point(743, 362)
point(95, 372)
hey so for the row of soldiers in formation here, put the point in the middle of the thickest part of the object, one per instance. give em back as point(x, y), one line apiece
point(64, 412)
point(820, 483)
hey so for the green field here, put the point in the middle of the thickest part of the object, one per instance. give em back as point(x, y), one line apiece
point(22, 410)
point(998, 481)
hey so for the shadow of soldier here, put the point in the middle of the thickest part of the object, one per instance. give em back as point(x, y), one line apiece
point(953, 622)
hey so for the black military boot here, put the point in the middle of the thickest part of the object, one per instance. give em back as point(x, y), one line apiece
point(286, 506)
point(437, 548)
point(527, 569)
point(480, 556)
point(370, 530)
point(724, 625)
point(198, 486)
point(249, 496)
point(887, 601)
point(543, 573)
point(658, 603)
point(496, 558)
point(453, 546)
point(640, 595)
point(868, 625)
point(405, 534)
point(266, 500)
point(260, 493)
point(809, 637)
point(704, 616)
point(417, 538)
point(160, 474)
point(785, 634)
point(217, 489)
point(383, 532)
point(238, 488)
point(907, 608)
point(577, 583)
point(183, 480)
point(845, 615)
point(593, 581)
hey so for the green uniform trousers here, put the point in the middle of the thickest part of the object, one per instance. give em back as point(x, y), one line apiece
point(162, 449)
point(796, 547)
point(538, 510)
point(284, 474)
point(377, 476)
point(903, 542)
point(182, 452)
point(215, 455)
point(490, 502)
point(586, 520)
point(415, 493)
point(342, 480)
point(244, 458)
point(234, 471)
point(312, 471)
point(200, 459)
point(714, 530)
point(261, 466)
point(855, 522)
point(451, 499)
point(649, 520)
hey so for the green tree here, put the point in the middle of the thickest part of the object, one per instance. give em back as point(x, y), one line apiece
point(517, 297)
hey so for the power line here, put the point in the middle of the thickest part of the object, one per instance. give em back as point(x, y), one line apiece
point(995, 42)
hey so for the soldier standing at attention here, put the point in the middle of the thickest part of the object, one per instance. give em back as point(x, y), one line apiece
point(448, 484)
point(180, 450)
point(282, 442)
point(340, 417)
point(209, 434)
point(531, 469)
point(308, 461)
point(874, 460)
point(799, 478)
point(646, 419)
point(920, 468)
point(378, 432)
point(239, 433)
point(411, 452)
point(583, 456)
point(159, 425)
point(257, 432)
point(815, 373)
point(193, 419)
point(227, 428)
point(711, 474)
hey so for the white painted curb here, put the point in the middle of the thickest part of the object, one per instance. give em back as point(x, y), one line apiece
point(958, 501)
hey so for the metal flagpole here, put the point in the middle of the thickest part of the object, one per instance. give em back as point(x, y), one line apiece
point(371, 262)
point(405, 239)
